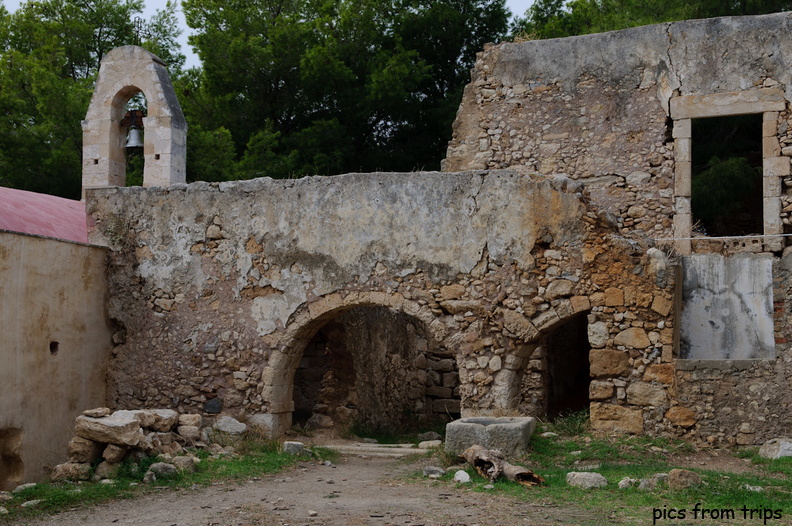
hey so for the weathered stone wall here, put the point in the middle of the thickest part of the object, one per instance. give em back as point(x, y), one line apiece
point(614, 111)
point(218, 289)
point(53, 349)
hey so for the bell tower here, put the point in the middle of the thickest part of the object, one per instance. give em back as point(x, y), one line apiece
point(124, 72)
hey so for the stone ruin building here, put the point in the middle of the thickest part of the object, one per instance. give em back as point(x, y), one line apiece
point(554, 265)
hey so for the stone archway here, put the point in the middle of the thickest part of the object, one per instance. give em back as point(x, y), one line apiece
point(124, 72)
point(378, 358)
point(546, 370)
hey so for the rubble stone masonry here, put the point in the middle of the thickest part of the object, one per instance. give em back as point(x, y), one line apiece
point(613, 111)
point(219, 290)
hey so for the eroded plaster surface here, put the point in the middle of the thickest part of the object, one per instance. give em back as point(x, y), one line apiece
point(221, 287)
point(54, 349)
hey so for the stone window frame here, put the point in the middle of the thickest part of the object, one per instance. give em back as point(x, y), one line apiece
point(767, 101)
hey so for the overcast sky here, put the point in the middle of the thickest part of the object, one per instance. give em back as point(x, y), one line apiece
point(517, 7)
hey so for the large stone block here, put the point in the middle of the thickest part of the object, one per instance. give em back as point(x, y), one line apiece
point(163, 419)
point(598, 334)
point(71, 471)
point(607, 362)
point(519, 325)
point(776, 448)
point(644, 393)
point(681, 416)
point(83, 451)
point(121, 428)
point(634, 337)
point(507, 434)
point(559, 288)
point(616, 418)
point(661, 372)
point(600, 390)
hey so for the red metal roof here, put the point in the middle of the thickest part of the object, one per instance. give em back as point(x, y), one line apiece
point(43, 215)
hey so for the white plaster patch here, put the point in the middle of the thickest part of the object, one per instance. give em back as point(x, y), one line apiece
point(728, 312)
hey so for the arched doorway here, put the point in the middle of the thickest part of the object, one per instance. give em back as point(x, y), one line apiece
point(377, 369)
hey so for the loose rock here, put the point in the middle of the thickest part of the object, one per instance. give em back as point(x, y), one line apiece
point(230, 425)
point(776, 448)
point(461, 477)
point(293, 448)
point(682, 479)
point(586, 480)
point(433, 471)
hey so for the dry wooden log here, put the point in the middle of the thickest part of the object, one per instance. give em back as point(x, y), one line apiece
point(489, 463)
point(522, 475)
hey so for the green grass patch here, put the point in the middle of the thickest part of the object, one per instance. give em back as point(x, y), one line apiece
point(259, 458)
point(637, 457)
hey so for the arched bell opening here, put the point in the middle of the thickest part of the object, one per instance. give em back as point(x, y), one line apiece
point(133, 136)
point(374, 369)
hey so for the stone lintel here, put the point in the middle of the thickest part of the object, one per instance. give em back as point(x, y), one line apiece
point(731, 103)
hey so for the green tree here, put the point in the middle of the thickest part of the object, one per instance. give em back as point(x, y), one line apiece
point(557, 18)
point(328, 86)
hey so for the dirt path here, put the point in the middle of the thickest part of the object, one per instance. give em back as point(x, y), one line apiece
point(354, 492)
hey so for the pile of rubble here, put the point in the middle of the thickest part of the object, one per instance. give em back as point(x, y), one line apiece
point(110, 437)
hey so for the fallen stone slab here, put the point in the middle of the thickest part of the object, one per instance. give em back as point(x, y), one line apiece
point(120, 429)
point(509, 435)
point(164, 419)
point(378, 450)
point(230, 425)
point(776, 448)
point(71, 471)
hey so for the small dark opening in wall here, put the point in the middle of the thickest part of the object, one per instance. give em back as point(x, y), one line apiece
point(726, 186)
point(96, 161)
point(568, 368)
point(53, 347)
point(11, 466)
point(156, 156)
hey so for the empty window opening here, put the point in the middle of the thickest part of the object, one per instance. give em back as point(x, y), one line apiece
point(53, 348)
point(133, 146)
point(567, 376)
point(11, 466)
point(726, 185)
point(372, 369)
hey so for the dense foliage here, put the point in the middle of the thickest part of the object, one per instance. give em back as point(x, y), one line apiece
point(302, 87)
point(287, 87)
point(561, 18)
